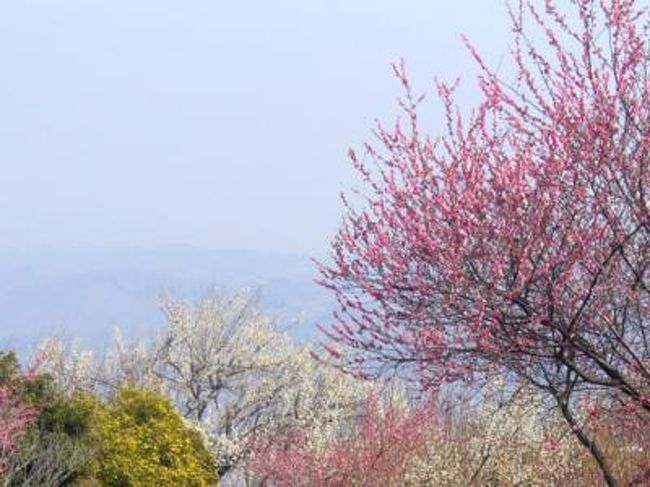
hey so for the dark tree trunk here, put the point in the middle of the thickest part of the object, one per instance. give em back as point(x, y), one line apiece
point(588, 443)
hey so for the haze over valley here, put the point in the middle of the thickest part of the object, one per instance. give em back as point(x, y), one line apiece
point(87, 291)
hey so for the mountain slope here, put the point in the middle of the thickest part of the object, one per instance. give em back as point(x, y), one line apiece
point(85, 292)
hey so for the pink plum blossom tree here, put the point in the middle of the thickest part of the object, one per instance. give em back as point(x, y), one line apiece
point(518, 241)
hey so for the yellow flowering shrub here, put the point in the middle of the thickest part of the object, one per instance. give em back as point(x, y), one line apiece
point(143, 441)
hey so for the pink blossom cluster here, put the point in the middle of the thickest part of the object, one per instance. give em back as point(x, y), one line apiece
point(16, 418)
point(375, 451)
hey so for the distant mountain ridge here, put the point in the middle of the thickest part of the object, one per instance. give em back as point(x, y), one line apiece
point(87, 291)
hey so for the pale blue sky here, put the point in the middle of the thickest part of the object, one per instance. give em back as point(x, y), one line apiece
point(211, 123)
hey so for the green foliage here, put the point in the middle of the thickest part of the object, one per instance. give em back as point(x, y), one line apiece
point(143, 438)
point(69, 416)
point(58, 448)
point(9, 367)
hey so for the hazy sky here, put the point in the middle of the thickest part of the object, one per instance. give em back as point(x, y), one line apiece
point(212, 123)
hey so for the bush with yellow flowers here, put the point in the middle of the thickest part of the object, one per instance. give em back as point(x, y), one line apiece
point(142, 439)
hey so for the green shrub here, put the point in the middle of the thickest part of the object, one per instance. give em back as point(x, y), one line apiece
point(59, 446)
